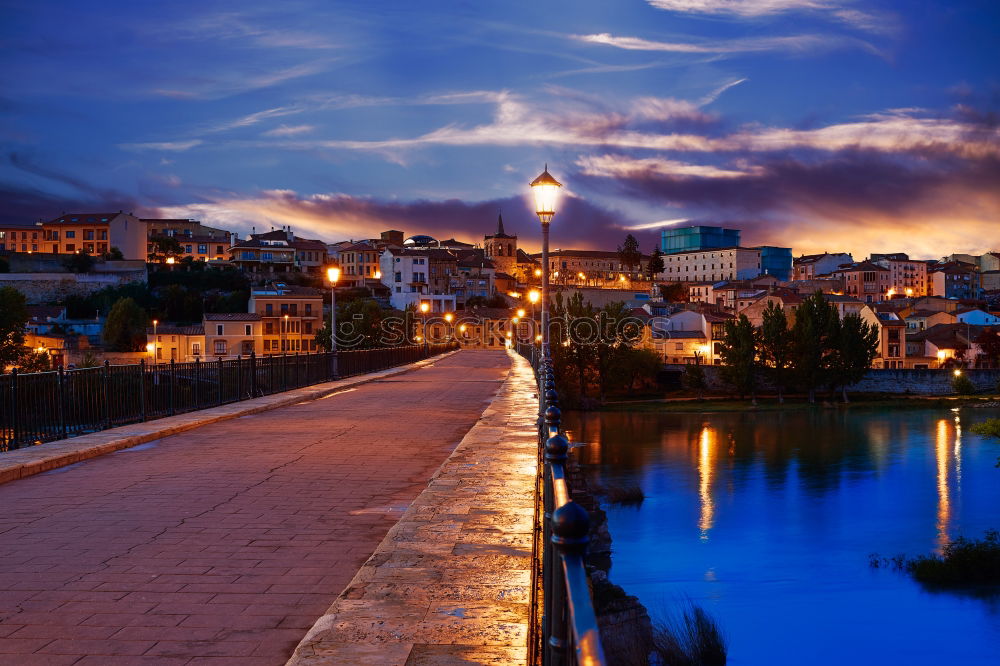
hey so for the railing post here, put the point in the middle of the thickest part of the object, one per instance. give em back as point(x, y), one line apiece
point(253, 374)
point(106, 382)
point(555, 454)
point(173, 380)
point(218, 377)
point(62, 403)
point(142, 389)
point(239, 377)
point(14, 416)
point(197, 383)
point(570, 529)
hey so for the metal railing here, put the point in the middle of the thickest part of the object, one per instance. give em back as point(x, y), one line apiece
point(568, 633)
point(45, 406)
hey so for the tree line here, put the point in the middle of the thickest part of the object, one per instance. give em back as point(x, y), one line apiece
point(819, 350)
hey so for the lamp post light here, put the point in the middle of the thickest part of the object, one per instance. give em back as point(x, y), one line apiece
point(332, 275)
point(449, 317)
point(424, 308)
point(546, 191)
point(284, 342)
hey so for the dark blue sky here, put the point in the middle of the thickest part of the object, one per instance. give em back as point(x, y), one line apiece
point(821, 124)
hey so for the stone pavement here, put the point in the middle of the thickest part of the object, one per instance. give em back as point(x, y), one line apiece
point(223, 544)
point(450, 582)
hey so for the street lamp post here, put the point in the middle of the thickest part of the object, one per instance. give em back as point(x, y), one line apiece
point(448, 317)
point(546, 191)
point(155, 344)
point(424, 307)
point(333, 274)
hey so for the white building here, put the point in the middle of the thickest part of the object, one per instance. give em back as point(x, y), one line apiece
point(405, 273)
point(715, 265)
point(810, 266)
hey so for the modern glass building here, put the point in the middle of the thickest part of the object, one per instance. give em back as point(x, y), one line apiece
point(776, 261)
point(687, 239)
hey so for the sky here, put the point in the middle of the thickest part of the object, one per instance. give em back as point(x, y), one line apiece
point(823, 125)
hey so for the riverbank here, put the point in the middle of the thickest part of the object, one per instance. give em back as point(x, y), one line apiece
point(771, 404)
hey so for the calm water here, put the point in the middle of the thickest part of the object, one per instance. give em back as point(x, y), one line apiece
point(767, 520)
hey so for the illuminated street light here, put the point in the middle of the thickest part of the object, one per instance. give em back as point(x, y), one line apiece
point(520, 312)
point(333, 276)
point(424, 309)
point(957, 372)
point(546, 191)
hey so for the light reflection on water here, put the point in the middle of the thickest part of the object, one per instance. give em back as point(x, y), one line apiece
point(768, 520)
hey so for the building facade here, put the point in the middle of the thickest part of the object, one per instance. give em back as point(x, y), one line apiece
point(906, 277)
point(689, 239)
point(811, 266)
point(731, 263)
point(290, 317)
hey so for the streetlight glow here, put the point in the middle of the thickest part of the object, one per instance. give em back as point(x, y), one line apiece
point(520, 312)
point(546, 191)
point(533, 296)
point(448, 317)
point(425, 307)
point(333, 274)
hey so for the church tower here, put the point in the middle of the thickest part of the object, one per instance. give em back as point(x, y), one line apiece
point(501, 249)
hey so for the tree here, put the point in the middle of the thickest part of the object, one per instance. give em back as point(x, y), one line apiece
point(675, 292)
point(13, 318)
point(114, 254)
point(739, 353)
point(655, 266)
point(125, 328)
point(854, 345)
point(629, 254)
point(639, 365)
point(961, 384)
point(80, 262)
point(359, 324)
point(693, 378)
point(989, 344)
point(811, 342)
point(776, 347)
point(163, 247)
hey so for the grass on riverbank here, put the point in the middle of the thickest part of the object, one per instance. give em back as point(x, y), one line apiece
point(692, 639)
point(962, 562)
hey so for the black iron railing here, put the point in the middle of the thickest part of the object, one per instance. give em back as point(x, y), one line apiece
point(567, 632)
point(45, 406)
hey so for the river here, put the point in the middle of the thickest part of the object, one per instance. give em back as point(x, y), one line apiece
point(767, 520)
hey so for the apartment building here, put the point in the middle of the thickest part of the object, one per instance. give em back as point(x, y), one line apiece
point(865, 281)
point(93, 233)
point(196, 240)
point(811, 266)
point(906, 277)
point(592, 268)
point(954, 280)
point(405, 272)
point(290, 317)
point(715, 265)
point(22, 239)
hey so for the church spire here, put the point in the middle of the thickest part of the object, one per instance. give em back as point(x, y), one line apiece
point(500, 224)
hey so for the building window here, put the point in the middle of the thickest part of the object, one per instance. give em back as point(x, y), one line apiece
point(196, 348)
point(88, 234)
point(202, 248)
point(309, 309)
point(70, 247)
point(220, 347)
point(70, 234)
point(268, 328)
point(218, 329)
point(269, 310)
point(248, 330)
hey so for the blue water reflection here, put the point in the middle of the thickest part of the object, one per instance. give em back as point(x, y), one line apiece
point(768, 520)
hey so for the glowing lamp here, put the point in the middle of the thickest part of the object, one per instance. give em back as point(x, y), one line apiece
point(534, 296)
point(425, 307)
point(170, 260)
point(448, 317)
point(378, 275)
point(462, 328)
point(520, 312)
point(538, 272)
point(150, 347)
point(546, 191)
point(538, 338)
point(957, 373)
point(333, 274)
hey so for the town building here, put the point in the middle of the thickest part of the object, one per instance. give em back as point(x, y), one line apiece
point(811, 266)
point(359, 262)
point(405, 272)
point(290, 317)
point(279, 251)
point(197, 241)
point(593, 268)
point(677, 240)
point(21, 238)
point(776, 261)
point(891, 335)
point(232, 334)
point(93, 233)
point(865, 281)
point(920, 320)
point(954, 280)
point(906, 277)
point(182, 344)
point(729, 263)
point(789, 301)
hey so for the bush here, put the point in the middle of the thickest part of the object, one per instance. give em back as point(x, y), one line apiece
point(962, 562)
point(693, 639)
point(962, 385)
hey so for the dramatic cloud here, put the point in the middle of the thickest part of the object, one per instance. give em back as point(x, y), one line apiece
point(802, 44)
point(841, 11)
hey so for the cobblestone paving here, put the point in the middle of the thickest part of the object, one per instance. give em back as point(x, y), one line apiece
point(450, 582)
point(224, 544)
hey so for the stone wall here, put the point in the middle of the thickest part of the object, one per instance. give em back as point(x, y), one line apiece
point(916, 382)
point(42, 288)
